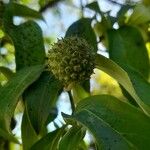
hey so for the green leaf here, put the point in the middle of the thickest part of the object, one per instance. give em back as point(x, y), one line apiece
point(52, 115)
point(122, 77)
point(11, 92)
point(15, 9)
point(27, 39)
point(140, 15)
point(141, 86)
point(82, 28)
point(49, 142)
point(146, 2)
point(121, 14)
point(24, 11)
point(6, 72)
point(28, 134)
point(114, 124)
point(40, 98)
point(86, 85)
point(29, 46)
point(126, 43)
point(129, 43)
point(72, 139)
point(79, 93)
point(8, 136)
point(94, 6)
point(1, 12)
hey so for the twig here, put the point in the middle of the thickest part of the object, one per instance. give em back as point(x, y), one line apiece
point(71, 102)
point(48, 5)
point(82, 8)
point(116, 3)
point(120, 4)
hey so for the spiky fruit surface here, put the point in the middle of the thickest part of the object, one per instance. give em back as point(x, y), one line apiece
point(71, 60)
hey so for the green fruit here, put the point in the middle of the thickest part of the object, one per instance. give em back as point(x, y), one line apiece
point(71, 61)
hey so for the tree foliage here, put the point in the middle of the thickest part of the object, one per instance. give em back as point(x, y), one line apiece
point(113, 123)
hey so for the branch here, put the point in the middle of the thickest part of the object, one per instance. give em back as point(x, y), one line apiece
point(71, 101)
point(120, 4)
point(82, 8)
point(116, 3)
point(48, 5)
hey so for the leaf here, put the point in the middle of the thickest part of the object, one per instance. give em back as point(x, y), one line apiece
point(140, 15)
point(86, 85)
point(8, 136)
point(121, 14)
point(6, 72)
point(141, 86)
point(114, 124)
point(28, 42)
point(40, 98)
point(49, 142)
point(72, 139)
point(122, 77)
point(129, 43)
point(24, 11)
point(126, 43)
point(79, 93)
point(94, 6)
point(28, 134)
point(27, 39)
point(82, 28)
point(1, 12)
point(146, 2)
point(10, 93)
point(52, 115)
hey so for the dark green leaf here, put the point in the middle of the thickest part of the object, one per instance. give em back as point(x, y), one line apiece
point(122, 77)
point(126, 43)
point(130, 43)
point(94, 6)
point(7, 136)
point(72, 139)
point(86, 85)
point(24, 11)
point(28, 42)
point(29, 136)
point(1, 12)
point(82, 28)
point(10, 93)
point(79, 93)
point(121, 14)
point(49, 142)
point(115, 124)
point(52, 115)
point(40, 97)
point(27, 39)
point(6, 72)
point(141, 86)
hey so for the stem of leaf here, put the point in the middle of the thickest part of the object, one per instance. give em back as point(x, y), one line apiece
point(82, 8)
point(71, 102)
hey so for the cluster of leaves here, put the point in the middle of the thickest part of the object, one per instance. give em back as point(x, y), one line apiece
point(113, 123)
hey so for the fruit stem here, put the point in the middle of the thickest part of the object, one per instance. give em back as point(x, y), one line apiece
point(71, 101)
point(79, 93)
